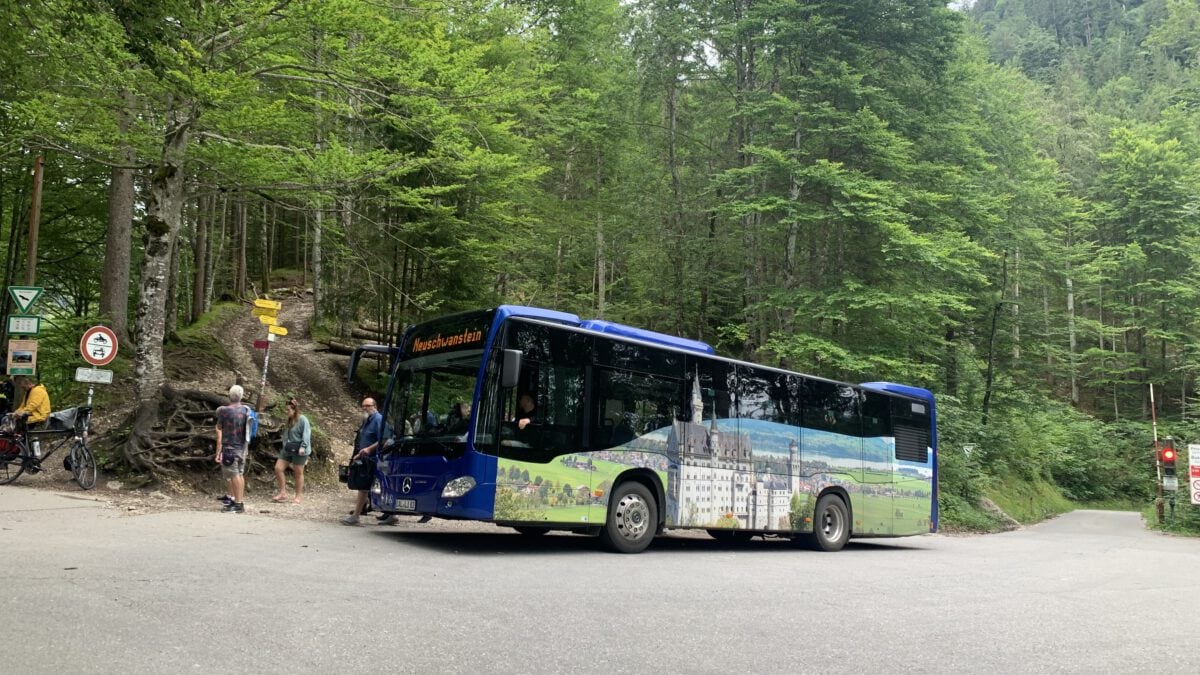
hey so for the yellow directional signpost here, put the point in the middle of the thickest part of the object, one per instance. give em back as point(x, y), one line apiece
point(267, 312)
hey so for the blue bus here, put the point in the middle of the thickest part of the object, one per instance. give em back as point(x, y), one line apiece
point(626, 432)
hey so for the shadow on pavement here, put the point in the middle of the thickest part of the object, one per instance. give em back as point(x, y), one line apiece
point(507, 542)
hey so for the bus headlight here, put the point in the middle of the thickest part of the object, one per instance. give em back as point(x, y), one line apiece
point(458, 487)
point(376, 487)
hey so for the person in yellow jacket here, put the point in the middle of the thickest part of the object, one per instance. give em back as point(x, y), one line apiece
point(37, 402)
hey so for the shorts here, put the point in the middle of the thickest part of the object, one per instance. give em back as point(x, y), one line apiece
point(235, 468)
point(293, 458)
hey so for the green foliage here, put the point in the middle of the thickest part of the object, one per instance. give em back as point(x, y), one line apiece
point(1029, 501)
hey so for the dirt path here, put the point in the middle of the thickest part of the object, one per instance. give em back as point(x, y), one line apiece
point(297, 367)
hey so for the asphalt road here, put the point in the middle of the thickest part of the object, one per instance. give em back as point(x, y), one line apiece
point(89, 589)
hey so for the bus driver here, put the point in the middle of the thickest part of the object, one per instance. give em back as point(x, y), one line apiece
point(526, 411)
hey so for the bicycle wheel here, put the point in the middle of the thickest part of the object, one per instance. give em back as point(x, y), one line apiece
point(12, 459)
point(83, 466)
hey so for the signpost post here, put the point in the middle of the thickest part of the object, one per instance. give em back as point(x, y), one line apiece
point(98, 347)
point(267, 312)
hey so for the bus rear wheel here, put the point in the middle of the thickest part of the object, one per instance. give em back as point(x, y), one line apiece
point(632, 519)
point(831, 524)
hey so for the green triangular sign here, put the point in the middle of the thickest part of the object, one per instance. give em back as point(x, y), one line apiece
point(25, 296)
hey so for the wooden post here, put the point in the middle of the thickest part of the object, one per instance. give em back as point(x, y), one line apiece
point(35, 214)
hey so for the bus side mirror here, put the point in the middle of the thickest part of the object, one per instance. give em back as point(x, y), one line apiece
point(510, 369)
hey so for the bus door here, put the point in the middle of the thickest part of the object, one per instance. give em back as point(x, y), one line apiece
point(879, 469)
point(913, 491)
point(543, 472)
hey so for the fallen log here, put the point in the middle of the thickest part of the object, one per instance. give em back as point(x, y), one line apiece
point(339, 347)
point(369, 335)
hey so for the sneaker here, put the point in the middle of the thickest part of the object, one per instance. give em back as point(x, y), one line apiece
point(225, 499)
point(350, 520)
point(234, 507)
point(390, 520)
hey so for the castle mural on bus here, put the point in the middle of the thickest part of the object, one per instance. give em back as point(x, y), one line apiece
point(733, 473)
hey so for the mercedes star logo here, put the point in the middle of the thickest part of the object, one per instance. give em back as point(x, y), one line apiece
point(406, 486)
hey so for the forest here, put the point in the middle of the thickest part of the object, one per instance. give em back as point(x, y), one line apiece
point(998, 200)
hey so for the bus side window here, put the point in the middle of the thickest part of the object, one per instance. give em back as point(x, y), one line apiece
point(717, 380)
point(762, 396)
point(635, 404)
point(552, 373)
point(818, 410)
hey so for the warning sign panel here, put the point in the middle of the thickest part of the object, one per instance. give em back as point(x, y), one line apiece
point(1194, 471)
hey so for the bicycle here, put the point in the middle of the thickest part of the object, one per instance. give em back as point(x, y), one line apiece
point(66, 427)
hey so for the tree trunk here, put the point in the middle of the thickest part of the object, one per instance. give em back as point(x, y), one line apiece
point(171, 303)
point(215, 255)
point(118, 241)
point(242, 217)
point(1016, 308)
point(1071, 341)
point(264, 244)
point(164, 212)
point(676, 252)
point(200, 257)
point(14, 247)
point(991, 354)
point(747, 76)
point(601, 285)
point(316, 266)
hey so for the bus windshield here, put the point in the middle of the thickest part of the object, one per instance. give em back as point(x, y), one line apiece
point(432, 396)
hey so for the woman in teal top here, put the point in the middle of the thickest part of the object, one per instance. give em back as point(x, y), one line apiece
point(297, 448)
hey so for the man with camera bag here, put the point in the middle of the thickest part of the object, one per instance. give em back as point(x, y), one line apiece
point(233, 443)
point(362, 463)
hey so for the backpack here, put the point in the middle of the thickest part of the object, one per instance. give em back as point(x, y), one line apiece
point(251, 424)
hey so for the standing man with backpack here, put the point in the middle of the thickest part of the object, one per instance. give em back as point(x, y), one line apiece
point(234, 433)
point(362, 463)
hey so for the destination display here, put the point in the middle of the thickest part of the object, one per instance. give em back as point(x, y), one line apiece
point(461, 331)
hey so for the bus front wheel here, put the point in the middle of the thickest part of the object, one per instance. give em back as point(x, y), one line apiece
point(632, 519)
point(831, 524)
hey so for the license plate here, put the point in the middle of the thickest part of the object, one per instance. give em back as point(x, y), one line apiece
point(406, 505)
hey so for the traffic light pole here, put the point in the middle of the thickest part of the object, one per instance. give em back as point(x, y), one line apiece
point(1158, 503)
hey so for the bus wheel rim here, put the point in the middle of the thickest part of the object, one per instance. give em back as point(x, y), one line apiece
point(632, 517)
point(831, 523)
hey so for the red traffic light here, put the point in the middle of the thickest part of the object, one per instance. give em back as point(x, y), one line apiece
point(1168, 454)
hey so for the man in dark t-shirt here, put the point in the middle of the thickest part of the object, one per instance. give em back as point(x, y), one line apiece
point(232, 447)
point(370, 435)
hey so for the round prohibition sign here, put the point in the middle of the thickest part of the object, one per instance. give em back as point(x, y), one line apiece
point(98, 346)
